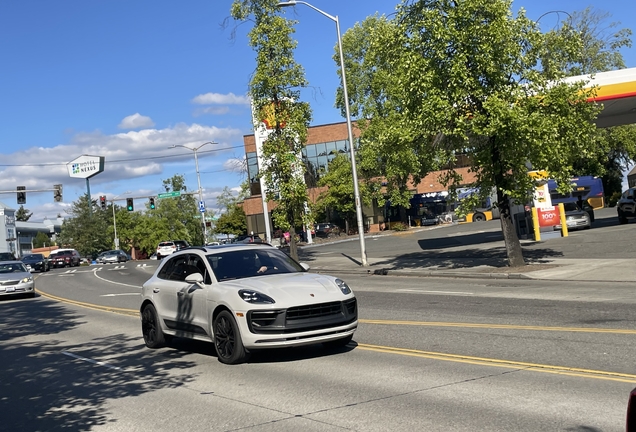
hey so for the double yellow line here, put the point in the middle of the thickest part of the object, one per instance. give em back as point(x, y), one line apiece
point(482, 361)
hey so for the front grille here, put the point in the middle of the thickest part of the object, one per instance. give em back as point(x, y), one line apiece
point(314, 311)
point(303, 318)
point(10, 282)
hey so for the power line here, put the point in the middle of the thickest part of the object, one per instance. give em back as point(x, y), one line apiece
point(120, 160)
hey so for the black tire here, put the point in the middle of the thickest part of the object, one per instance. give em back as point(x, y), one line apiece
point(479, 217)
point(227, 339)
point(151, 328)
point(621, 218)
point(338, 343)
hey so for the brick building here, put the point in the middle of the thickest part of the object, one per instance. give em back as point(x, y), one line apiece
point(324, 143)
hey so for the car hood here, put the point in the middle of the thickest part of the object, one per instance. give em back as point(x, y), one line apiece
point(292, 288)
point(14, 276)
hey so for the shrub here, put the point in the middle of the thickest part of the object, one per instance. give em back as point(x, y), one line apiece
point(399, 226)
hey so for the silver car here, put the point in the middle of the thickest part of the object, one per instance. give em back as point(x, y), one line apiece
point(575, 217)
point(112, 257)
point(15, 279)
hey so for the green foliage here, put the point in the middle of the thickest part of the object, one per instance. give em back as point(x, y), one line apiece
point(614, 147)
point(399, 226)
point(444, 78)
point(172, 219)
point(275, 92)
point(87, 229)
point(232, 222)
point(41, 240)
point(339, 196)
point(22, 214)
point(614, 199)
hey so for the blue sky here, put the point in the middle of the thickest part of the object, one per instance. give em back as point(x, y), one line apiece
point(128, 79)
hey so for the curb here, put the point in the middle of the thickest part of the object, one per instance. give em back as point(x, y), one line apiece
point(426, 273)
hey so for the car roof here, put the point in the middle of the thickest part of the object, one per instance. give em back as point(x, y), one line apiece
point(224, 247)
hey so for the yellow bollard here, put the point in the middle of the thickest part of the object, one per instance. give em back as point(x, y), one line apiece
point(564, 225)
point(535, 224)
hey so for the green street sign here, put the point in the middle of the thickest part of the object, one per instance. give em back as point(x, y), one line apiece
point(169, 194)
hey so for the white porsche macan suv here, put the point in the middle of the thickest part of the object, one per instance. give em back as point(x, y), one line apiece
point(244, 297)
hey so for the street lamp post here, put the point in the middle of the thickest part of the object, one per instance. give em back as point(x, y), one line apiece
point(112, 202)
point(196, 164)
point(356, 191)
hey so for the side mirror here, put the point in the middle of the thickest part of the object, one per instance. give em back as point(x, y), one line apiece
point(195, 278)
point(305, 266)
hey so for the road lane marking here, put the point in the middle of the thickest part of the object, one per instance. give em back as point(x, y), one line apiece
point(100, 363)
point(499, 326)
point(122, 294)
point(509, 364)
point(434, 292)
point(116, 283)
point(122, 311)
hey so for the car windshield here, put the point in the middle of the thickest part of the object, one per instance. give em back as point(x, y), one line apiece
point(247, 263)
point(32, 257)
point(166, 244)
point(571, 207)
point(12, 268)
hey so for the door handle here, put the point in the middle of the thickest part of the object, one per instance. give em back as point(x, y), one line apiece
point(180, 293)
point(155, 290)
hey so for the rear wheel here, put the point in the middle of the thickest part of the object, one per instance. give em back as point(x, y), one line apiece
point(479, 217)
point(227, 339)
point(338, 343)
point(151, 328)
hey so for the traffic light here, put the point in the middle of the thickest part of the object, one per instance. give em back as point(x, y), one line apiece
point(102, 202)
point(152, 203)
point(129, 204)
point(21, 195)
point(57, 192)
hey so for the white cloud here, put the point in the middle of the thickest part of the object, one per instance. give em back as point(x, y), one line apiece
point(220, 99)
point(136, 121)
point(235, 165)
point(216, 110)
point(134, 160)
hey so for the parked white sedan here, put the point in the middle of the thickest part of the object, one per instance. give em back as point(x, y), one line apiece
point(244, 297)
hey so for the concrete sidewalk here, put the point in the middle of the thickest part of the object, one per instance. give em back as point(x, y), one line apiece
point(567, 269)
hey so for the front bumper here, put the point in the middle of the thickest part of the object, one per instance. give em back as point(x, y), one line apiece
point(9, 288)
point(296, 326)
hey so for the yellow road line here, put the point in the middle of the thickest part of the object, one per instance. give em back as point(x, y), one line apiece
point(509, 364)
point(499, 326)
point(122, 311)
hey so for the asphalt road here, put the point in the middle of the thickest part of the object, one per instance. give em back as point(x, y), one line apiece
point(430, 354)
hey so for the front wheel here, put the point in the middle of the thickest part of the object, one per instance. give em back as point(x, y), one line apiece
point(621, 218)
point(151, 328)
point(227, 339)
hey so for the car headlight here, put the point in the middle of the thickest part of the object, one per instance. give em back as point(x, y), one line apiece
point(251, 296)
point(343, 286)
point(27, 279)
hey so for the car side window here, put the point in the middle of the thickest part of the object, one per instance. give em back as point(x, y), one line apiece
point(196, 262)
point(166, 270)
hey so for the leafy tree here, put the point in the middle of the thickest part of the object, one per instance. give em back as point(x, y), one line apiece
point(600, 51)
point(444, 78)
point(339, 196)
point(232, 221)
point(22, 214)
point(41, 240)
point(275, 92)
point(86, 231)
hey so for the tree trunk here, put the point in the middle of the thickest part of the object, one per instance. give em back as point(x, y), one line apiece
point(511, 240)
point(293, 246)
point(347, 226)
